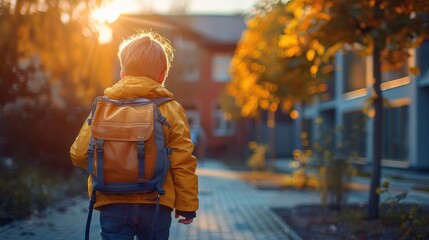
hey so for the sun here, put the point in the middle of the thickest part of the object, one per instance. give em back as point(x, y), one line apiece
point(107, 14)
point(102, 18)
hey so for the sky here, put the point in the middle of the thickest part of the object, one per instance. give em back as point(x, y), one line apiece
point(113, 8)
point(196, 6)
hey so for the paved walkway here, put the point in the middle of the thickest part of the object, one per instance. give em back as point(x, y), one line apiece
point(230, 208)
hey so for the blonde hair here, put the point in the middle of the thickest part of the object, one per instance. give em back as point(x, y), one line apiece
point(146, 54)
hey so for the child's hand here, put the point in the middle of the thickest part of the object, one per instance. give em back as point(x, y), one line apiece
point(184, 220)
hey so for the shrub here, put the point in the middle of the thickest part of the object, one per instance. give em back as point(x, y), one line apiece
point(412, 219)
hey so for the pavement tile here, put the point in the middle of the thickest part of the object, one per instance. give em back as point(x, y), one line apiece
point(230, 209)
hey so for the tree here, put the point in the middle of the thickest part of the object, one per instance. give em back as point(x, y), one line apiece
point(52, 65)
point(318, 29)
point(387, 29)
point(51, 68)
point(264, 75)
point(62, 36)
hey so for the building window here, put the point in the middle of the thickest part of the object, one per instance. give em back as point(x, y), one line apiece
point(354, 134)
point(393, 73)
point(193, 117)
point(220, 67)
point(354, 72)
point(187, 65)
point(389, 75)
point(223, 124)
point(395, 133)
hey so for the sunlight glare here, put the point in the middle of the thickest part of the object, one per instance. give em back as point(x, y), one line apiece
point(104, 34)
point(106, 14)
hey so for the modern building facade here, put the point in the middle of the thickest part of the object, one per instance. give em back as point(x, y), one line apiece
point(339, 120)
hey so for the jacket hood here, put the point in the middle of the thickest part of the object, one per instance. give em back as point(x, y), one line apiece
point(136, 87)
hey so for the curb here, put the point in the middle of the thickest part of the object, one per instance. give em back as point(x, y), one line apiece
point(286, 228)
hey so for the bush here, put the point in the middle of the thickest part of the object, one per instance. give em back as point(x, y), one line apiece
point(335, 175)
point(30, 190)
point(16, 199)
point(40, 137)
point(411, 217)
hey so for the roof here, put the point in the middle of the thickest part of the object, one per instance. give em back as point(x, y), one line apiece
point(213, 29)
point(222, 29)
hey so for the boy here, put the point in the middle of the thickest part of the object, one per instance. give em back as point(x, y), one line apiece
point(145, 61)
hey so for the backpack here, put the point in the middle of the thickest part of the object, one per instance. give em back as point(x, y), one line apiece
point(127, 152)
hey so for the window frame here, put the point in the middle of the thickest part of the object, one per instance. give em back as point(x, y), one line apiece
point(223, 65)
point(188, 59)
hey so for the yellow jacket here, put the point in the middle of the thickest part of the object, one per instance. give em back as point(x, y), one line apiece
point(181, 185)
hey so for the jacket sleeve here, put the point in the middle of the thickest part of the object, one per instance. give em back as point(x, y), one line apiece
point(183, 163)
point(79, 149)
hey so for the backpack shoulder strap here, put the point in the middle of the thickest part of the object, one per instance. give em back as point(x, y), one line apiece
point(160, 100)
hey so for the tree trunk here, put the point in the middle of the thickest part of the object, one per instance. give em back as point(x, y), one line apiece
point(2, 134)
point(374, 197)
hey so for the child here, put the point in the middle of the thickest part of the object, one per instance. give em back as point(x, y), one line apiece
point(145, 61)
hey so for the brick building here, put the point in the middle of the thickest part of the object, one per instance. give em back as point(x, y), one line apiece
point(204, 45)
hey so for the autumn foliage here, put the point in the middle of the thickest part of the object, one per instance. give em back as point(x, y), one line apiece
point(52, 66)
point(288, 51)
point(53, 42)
point(266, 74)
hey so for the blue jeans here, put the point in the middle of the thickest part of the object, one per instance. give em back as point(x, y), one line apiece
point(124, 221)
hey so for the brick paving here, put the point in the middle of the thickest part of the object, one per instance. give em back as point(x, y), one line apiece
point(230, 209)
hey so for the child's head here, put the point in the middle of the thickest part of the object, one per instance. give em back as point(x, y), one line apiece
point(146, 54)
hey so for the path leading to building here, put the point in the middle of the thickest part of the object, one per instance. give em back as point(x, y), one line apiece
point(230, 208)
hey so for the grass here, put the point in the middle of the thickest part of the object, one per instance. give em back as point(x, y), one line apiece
point(30, 190)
